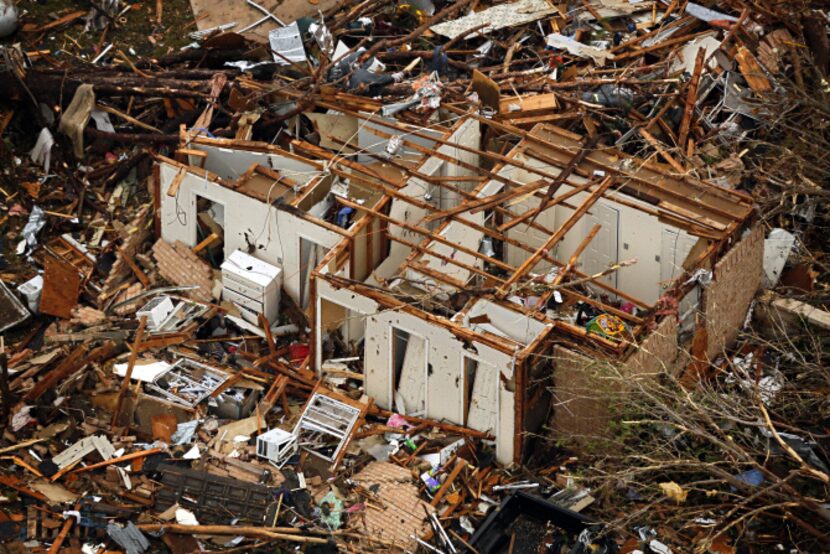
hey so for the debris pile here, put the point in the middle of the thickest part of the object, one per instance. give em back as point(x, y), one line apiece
point(333, 276)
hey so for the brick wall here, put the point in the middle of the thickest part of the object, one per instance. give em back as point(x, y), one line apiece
point(179, 265)
point(581, 403)
point(134, 234)
point(402, 512)
point(737, 276)
point(583, 386)
point(657, 352)
point(579, 408)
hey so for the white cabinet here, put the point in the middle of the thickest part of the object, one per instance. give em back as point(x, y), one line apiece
point(252, 285)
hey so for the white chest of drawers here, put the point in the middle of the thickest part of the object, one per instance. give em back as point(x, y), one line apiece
point(252, 285)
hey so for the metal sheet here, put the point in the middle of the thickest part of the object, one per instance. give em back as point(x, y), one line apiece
point(12, 310)
point(497, 17)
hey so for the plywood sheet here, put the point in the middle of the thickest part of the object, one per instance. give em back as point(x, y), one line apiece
point(61, 287)
point(212, 13)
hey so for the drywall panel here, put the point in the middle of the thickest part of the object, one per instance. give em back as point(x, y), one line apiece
point(531, 236)
point(230, 164)
point(464, 236)
point(400, 210)
point(468, 134)
point(503, 321)
point(675, 245)
point(370, 138)
point(250, 225)
point(636, 238)
point(334, 125)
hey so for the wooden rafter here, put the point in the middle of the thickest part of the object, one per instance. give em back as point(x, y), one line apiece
point(555, 238)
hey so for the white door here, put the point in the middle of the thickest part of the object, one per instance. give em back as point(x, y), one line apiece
point(481, 382)
point(675, 245)
point(410, 352)
point(602, 250)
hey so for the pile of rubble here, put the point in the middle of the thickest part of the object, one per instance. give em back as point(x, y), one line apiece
point(329, 275)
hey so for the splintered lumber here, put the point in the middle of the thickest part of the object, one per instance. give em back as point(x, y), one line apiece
point(448, 427)
point(445, 486)
point(67, 524)
point(586, 148)
point(118, 460)
point(142, 277)
point(575, 256)
point(528, 265)
point(275, 533)
point(652, 140)
point(18, 446)
point(176, 183)
point(210, 239)
point(19, 486)
point(125, 384)
point(74, 362)
point(691, 98)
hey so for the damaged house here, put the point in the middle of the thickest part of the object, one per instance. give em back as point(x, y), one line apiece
point(464, 284)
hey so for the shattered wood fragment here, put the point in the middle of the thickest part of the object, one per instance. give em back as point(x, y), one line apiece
point(118, 460)
point(752, 71)
point(139, 335)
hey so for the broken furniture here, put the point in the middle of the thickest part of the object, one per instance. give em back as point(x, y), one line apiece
point(324, 429)
point(252, 285)
point(166, 314)
point(68, 269)
point(326, 426)
point(188, 382)
point(210, 497)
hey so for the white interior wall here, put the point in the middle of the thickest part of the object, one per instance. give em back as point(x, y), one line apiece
point(275, 233)
point(376, 143)
point(444, 399)
point(462, 235)
point(467, 134)
point(230, 164)
point(639, 235)
point(401, 210)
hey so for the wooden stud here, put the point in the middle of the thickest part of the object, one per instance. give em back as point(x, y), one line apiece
point(125, 384)
point(691, 99)
point(173, 189)
point(142, 277)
